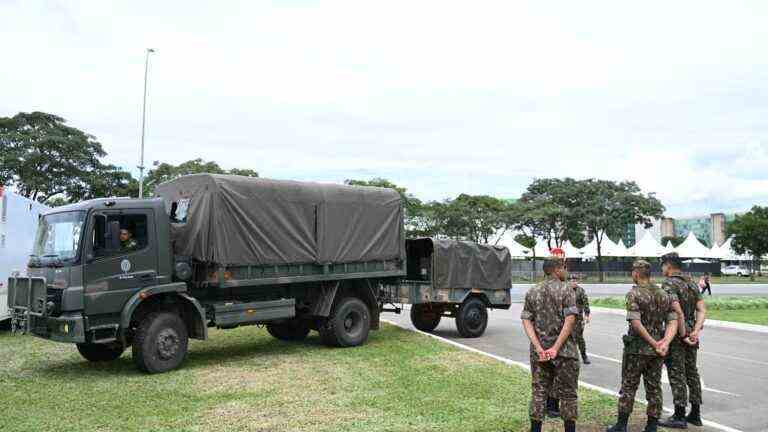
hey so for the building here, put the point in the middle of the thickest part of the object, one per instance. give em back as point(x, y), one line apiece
point(710, 230)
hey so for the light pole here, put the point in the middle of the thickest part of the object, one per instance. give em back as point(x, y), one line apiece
point(143, 121)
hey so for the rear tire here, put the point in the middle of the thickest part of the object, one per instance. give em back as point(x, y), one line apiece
point(160, 343)
point(425, 317)
point(100, 352)
point(293, 330)
point(348, 324)
point(472, 318)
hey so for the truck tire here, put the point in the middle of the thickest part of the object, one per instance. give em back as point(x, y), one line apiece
point(293, 330)
point(347, 325)
point(472, 318)
point(424, 317)
point(160, 343)
point(100, 352)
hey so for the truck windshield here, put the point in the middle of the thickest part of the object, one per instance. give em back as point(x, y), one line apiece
point(58, 237)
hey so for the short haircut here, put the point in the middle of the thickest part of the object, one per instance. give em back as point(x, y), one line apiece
point(642, 267)
point(672, 259)
point(550, 265)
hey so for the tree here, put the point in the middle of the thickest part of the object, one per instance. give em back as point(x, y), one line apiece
point(44, 158)
point(418, 218)
point(164, 172)
point(750, 235)
point(675, 240)
point(606, 207)
point(550, 203)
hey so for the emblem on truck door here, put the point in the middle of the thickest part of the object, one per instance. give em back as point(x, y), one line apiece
point(125, 266)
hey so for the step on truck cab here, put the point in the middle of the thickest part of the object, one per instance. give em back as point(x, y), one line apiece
point(211, 251)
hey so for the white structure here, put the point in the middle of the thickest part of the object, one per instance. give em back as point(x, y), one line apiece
point(18, 224)
point(647, 247)
point(691, 247)
point(607, 248)
point(620, 250)
point(516, 250)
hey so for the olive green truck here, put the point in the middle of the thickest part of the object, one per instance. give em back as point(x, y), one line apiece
point(226, 251)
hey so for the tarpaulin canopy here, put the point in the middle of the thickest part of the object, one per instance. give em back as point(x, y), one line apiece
point(691, 247)
point(515, 249)
point(235, 220)
point(460, 264)
point(647, 247)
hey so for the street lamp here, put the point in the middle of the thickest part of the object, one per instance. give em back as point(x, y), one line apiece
point(143, 121)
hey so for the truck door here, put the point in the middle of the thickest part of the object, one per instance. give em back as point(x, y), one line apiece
point(113, 276)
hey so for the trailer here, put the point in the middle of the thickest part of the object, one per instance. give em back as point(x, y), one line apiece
point(18, 224)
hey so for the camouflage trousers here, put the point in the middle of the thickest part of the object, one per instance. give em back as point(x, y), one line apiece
point(633, 367)
point(683, 374)
point(578, 334)
point(558, 378)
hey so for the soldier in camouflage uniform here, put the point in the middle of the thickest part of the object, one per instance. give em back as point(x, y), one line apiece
point(582, 302)
point(652, 326)
point(548, 317)
point(127, 243)
point(681, 362)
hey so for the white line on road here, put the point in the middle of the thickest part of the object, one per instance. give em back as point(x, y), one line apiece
point(527, 367)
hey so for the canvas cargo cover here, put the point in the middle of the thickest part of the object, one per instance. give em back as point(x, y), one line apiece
point(235, 220)
point(467, 265)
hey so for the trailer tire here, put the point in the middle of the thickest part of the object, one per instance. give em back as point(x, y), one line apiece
point(100, 352)
point(293, 330)
point(472, 318)
point(424, 317)
point(348, 324)
point(160, 343)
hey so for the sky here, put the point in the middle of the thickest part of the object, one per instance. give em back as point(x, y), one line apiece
point(441, 97)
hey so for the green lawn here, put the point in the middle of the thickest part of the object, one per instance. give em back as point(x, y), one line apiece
point(752, 310)
point(715, 280)
point(244, 380)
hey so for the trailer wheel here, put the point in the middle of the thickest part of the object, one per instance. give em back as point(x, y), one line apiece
point(100, 352)
point(293, 330)
point(347, 325)
point(424, 317)
point(472, 318)
point(160, 343)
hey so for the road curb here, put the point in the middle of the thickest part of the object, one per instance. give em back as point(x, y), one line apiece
point(708, 323)
point(527, 367)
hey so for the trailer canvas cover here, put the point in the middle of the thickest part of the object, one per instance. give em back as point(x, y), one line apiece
point(468, 265)
point(234, 220)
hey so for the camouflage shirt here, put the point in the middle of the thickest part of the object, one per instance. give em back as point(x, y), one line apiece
point(546, 306)
point(686, 291)
point(582, 301)
point(651, 305)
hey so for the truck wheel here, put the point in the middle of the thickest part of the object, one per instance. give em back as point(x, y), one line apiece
point(347, 325)
point(293, 330)
point(160, 343)
point(472, 318)
point(100, 352)
point(424, 317)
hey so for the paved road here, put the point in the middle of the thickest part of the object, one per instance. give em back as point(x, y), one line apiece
point(602, 290)
point(734, 363)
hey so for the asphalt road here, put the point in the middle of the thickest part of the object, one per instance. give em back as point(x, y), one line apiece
point(603, 290)
point(733, 363)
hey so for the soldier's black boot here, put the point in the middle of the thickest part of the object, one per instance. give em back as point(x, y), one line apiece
point(652, 425)
point(694, 417)
point(569, 426)
point(535, 426)
point(553, 407)
point(676, 420)
point(621, 424)
point(585, 359)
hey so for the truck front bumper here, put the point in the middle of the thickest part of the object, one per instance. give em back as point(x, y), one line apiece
point(68, 328)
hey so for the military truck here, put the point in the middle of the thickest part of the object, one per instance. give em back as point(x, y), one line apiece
point(213, 251)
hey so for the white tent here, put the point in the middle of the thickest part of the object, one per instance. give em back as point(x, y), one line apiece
point(691, 247)
point(646, 247)
point(570, 250)
point(726, 253)
point(541, 248)
point(668, 247)
point(516, 250)
point(607, 246)
point(619, 250)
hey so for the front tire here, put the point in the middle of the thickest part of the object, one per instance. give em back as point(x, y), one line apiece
point(348, 324)
point(472, 318)
point(160, 343)
point(293, 330)
point(425, 317)
point(100, 352)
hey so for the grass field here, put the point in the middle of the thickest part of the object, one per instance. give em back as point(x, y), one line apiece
point(752, 310)
point(244, 380)
point(714, 280)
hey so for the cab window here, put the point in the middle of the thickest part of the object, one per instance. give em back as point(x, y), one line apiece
point(133, 234)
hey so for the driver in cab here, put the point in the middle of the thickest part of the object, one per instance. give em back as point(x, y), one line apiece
point(127, 242)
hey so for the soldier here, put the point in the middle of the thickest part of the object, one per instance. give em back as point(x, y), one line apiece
point(127, 243)
point(584, 317)
point(652, 326)
point(681, 363)
point(548, 317)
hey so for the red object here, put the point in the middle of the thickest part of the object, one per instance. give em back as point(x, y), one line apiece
point(557, 252)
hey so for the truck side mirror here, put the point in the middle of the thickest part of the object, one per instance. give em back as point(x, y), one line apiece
point(112, 240)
